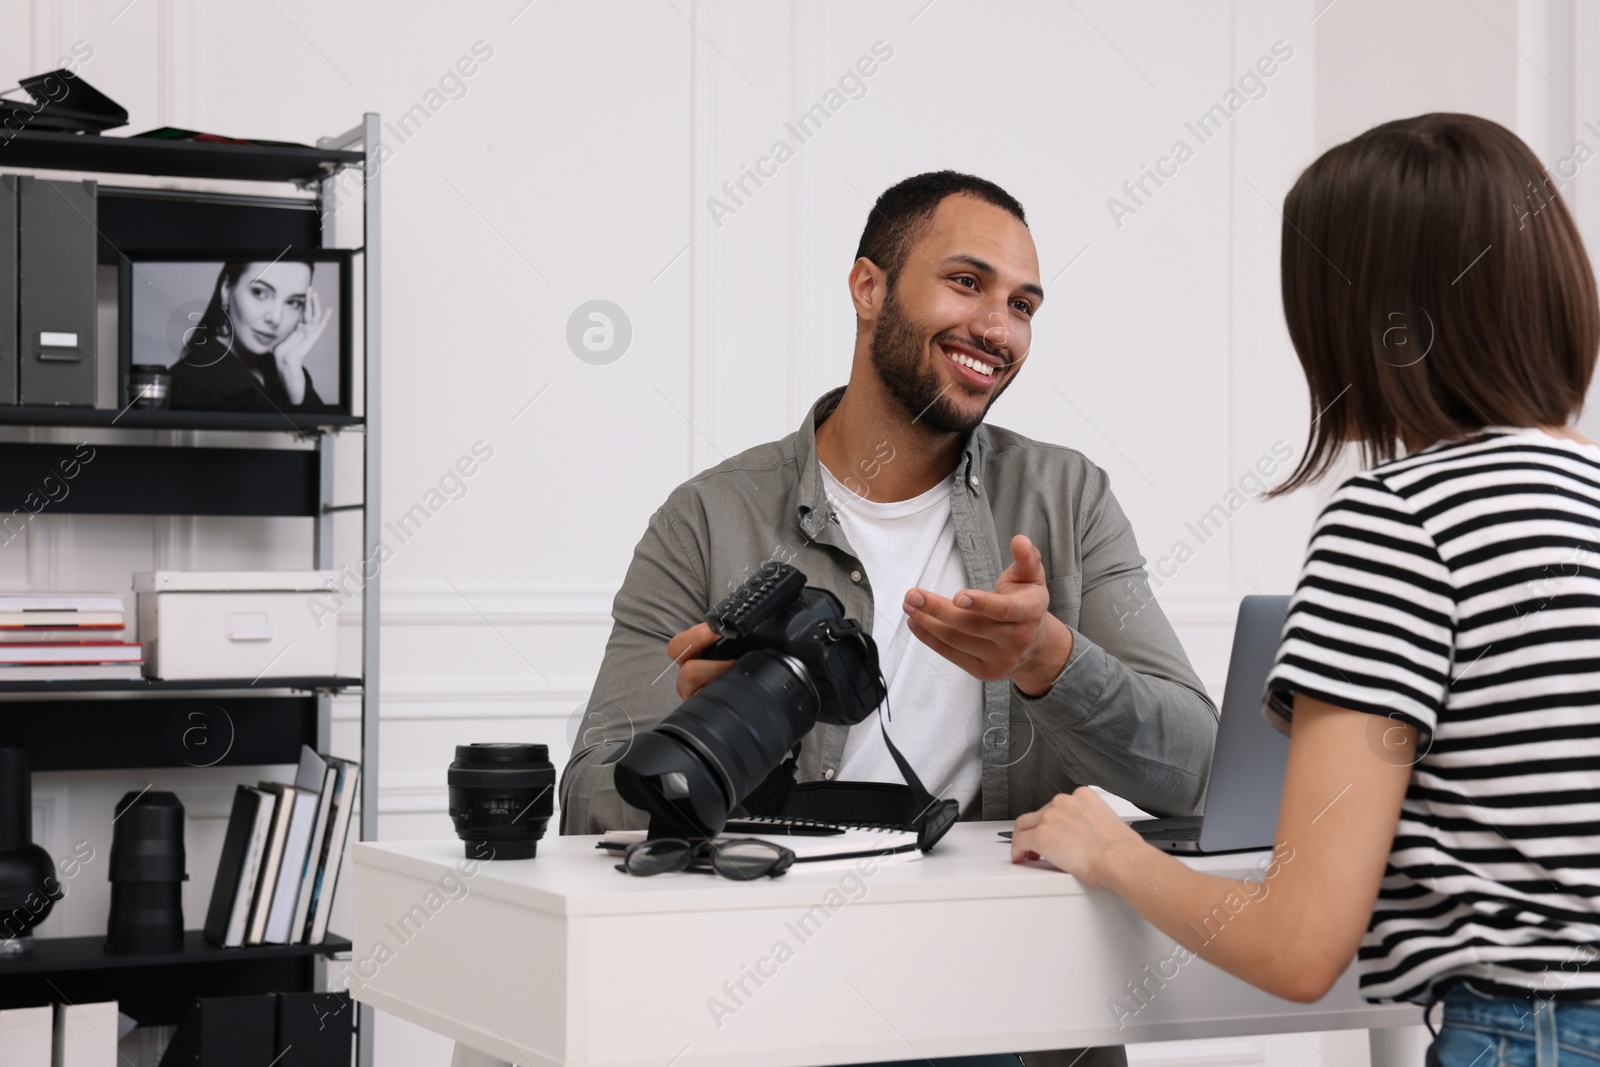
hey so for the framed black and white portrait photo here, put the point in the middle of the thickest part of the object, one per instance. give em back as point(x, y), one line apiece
point(241, 331)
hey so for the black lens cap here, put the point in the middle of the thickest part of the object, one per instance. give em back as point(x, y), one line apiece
point(503, 752)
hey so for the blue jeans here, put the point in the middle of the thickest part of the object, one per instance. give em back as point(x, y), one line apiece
point(1484, 1031)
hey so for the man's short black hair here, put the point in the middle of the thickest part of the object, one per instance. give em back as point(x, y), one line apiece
point(901, 213)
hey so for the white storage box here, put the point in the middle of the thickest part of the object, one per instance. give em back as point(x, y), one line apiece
point(238, 624)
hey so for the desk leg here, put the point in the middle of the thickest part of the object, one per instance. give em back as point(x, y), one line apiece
point(471, 1057)
point(1399, 1046)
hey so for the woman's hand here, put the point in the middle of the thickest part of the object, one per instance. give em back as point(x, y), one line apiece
point(290, 355)
point(1077, 832)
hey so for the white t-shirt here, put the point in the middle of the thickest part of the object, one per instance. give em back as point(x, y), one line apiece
point(936, 707)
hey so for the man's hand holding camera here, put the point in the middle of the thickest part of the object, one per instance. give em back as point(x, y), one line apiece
point(1004, 634)
point(1008, 633)
point(694, 674)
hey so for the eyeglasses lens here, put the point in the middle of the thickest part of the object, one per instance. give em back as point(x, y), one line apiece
point(749, 860)
point(657, 857)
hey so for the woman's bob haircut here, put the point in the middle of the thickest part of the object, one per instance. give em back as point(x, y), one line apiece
point(1434, 285)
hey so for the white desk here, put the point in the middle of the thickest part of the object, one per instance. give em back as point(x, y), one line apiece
point(563, 960)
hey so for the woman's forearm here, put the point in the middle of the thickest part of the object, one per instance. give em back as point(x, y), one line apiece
point(1251, 927)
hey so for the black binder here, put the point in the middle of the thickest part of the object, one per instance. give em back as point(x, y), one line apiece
point(225, 1032)
point(314, 1029)
point(57, 242)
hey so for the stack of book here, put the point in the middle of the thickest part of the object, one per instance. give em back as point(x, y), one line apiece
point(71, 637)
point(282, 854)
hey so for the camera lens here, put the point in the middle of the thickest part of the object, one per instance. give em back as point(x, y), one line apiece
point(717, 746)
point(501, 798)
point(147, 875)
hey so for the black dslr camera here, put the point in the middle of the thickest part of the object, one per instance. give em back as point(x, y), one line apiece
point(798, 661)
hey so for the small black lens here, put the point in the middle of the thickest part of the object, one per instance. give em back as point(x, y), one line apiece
point(501, 797)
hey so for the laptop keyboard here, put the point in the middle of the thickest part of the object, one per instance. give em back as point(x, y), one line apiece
point(1172, 833)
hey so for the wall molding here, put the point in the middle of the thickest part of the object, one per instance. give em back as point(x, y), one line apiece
point(400, 792)
point(705, 124)
point(51, 817)
point(448, 698)
point(440, 605)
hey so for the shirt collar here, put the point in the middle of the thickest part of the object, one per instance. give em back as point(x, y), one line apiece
point(811, 499)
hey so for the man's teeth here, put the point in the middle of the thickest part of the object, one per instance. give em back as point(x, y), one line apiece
point(967, 361)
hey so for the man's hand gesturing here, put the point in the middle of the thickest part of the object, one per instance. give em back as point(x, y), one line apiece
point(1004, 634)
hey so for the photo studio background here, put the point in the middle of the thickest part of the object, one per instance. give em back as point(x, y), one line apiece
point(546, 156)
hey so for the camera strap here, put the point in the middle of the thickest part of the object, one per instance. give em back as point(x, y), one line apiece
point(909, 806)
point(934, 817)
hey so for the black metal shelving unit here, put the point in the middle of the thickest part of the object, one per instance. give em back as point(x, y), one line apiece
point(110, 154)
point(122, 725)
point(155, 988)
point(139, 419)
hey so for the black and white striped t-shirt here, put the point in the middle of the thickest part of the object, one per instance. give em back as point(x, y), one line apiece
point(1458, 589)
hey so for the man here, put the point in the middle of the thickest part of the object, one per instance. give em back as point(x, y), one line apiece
point(1006, 686)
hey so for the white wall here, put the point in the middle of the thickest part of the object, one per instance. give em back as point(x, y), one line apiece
point(578, 165)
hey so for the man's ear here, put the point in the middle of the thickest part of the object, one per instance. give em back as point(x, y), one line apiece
point(869, 288)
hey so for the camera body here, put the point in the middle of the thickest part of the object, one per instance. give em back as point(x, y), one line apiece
point(775, 611)
point(797, 661)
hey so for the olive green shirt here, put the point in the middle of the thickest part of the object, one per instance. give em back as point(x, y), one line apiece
point(1127, 714)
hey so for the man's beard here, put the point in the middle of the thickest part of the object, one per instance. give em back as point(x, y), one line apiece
point(898, 355)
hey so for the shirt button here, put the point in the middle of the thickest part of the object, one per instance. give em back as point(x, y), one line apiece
point(973, 481)
point(828, 773)
point(855, 576)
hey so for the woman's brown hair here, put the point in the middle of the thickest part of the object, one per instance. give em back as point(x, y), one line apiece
point(1434, 284)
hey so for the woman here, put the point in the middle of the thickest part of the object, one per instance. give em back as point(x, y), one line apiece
point(250, 346)
point(1441, 657)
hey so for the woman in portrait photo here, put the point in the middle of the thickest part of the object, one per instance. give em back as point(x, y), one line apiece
point(249, 348)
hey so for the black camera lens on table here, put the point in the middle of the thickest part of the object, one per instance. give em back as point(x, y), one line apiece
point(501, 797)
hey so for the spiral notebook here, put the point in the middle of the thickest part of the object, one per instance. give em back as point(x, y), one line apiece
point(809, 840)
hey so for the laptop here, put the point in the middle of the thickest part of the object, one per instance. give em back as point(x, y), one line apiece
point(1246, 783)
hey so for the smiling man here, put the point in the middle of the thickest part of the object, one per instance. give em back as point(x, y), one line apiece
point(1024, 652)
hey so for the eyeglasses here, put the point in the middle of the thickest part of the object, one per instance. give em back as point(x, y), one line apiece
point(745, 858)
